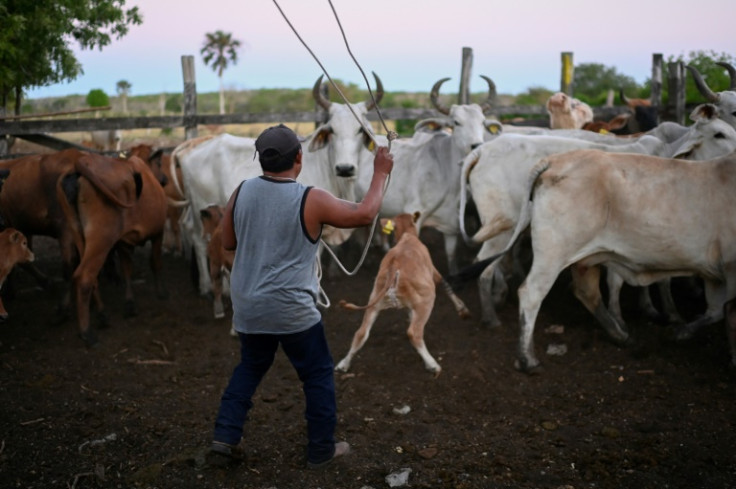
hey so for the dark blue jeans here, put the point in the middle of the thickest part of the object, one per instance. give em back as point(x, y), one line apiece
point(309, 353)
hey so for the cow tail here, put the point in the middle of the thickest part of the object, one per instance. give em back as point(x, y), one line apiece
point(473, 271)
point(469, 163)
point(67, 191)
point(174, 163)
point(387, 286)
point(94, 179)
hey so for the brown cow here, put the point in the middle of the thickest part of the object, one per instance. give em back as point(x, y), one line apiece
point(406, 278)
point(13, 250)
point(172, 232)
point(115, 204)
point(28, 203)
point(220, 259)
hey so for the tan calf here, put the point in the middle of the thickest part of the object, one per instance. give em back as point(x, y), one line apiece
point(13, 250)
point(220, 260)
point(406, 278)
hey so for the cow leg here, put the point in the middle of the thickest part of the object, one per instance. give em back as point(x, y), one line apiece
point(715, 295)
point(460, 307)
point(615, 283)
point(3, 312)
point(451, 251)
point(125, 253)
point(216, 278)
point(492, 290)
point(155, 261)
point(419, 315)
point(85, 280)
point(360, 337)
point(731, 329)
point(586, 283)
point(669, 309)
point(531, 294)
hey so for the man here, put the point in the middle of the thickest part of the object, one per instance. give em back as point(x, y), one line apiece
point(274, 224)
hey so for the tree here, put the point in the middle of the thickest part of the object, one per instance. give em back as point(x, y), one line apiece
point(36, 38)
point(123, 89)
point(592, 81)
point(97, 98)
point(705, 62)
point(220, 49)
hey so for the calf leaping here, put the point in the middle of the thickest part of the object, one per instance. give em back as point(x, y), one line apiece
point(406, 279)
point(644, 217)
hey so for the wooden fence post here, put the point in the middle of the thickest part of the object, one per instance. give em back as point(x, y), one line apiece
point(190, 97)
point(467, 66)
point(676, 83)
point(656, 94)
point(568, 71)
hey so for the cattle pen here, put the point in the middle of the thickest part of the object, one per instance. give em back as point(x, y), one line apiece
point(43, 126)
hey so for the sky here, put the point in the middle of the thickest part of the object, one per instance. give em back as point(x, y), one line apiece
point(410, 44)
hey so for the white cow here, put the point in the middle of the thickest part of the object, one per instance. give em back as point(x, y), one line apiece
point(566, 112)
point(212, 169)
point(496, 174)
point(726, 100)
point(646, 218)
point(107, 140)
point(426, 173)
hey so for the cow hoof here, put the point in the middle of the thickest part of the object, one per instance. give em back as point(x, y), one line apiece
point(90, 338)
point(491, 323)
point(102, 321)
point(130, 309)
point(529, 368)
point(62, 314)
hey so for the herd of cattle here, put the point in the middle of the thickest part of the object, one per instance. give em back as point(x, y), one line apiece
point(648, 201)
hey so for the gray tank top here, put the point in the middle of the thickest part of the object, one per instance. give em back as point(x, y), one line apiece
point(273, 284)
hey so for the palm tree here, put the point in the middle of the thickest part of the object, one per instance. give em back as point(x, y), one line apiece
point(220, 49)
point(123, 89)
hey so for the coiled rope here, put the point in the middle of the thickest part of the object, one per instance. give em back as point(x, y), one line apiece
point(391, 135)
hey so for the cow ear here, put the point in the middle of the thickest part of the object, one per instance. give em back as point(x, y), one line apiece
point(16, 237)
point(368, 142)
point(430, 125)
point(705, 112)
point(320, 138)
point(494, 127)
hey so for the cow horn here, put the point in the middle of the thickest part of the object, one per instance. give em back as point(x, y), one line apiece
point(434, 94)
point(702, 86)
point(731, 72)
point(486, 106)
point(623, 96)
point(370, 104)
point(317, 94)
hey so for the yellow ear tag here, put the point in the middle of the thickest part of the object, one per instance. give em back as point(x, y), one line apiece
point(372, 146)
point(603, 131)
point(388, 228)
point(493, 129)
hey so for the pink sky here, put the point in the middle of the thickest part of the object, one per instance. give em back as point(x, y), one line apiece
point(518, 44)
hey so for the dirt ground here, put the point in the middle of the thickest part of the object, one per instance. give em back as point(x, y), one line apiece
point(138, 410)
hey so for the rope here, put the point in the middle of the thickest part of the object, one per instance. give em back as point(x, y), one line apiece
point(390, 135)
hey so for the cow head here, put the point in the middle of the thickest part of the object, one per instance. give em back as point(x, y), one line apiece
point(709, 137)
point(466, 122)
point(566, 112)
point(211, 217)
point(401, 224)
point(724, 101)
point(343, 135)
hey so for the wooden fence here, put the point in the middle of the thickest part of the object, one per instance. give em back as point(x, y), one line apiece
point(38, 131)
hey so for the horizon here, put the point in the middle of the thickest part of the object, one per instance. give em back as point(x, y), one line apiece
point(407, 48)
